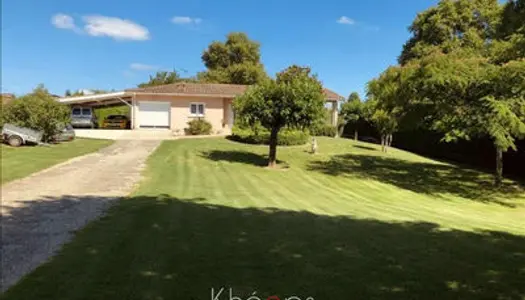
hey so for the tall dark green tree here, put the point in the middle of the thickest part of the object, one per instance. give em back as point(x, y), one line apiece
point(165, 77)
point(510, 42)
point(236, 61)
point(452, 25)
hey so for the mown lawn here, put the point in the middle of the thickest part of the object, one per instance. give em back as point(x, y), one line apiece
point(347, 223)
point(22, 161)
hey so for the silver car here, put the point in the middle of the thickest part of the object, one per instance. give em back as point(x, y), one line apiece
point(83, 117)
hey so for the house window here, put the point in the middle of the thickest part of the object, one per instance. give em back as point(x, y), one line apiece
point(197, 109)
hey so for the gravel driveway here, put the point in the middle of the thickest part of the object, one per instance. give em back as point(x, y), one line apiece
point(39, 213)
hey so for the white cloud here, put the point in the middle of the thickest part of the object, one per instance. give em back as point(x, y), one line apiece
point(118, 29)
point(64, 21)
point(185, 20)
point(346, 20)
point(142, 67)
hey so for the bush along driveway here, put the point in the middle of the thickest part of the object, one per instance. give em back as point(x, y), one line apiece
point(34, 226)
point(347, 223)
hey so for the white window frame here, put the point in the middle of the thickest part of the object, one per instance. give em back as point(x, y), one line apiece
point(197, 114)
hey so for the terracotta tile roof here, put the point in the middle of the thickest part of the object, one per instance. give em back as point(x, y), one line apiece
point(6, 98)
point(211, 89)
point(331, 95)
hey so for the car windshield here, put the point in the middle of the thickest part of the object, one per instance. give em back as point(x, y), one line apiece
point(76, 111)
point(86, 111)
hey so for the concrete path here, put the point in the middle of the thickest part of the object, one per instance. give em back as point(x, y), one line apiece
point(39, 213)
point(141, 134)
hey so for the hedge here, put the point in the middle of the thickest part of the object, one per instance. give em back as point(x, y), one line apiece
point(324, 130)
point(287, 137)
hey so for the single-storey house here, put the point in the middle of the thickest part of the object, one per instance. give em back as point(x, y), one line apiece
point(172, 106)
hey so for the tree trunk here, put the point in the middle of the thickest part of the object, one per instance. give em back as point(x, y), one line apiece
point(383, 143)
point(341, 130)
point(355, 135)
point(499, 167)
point(272, 156)
point(390, 138)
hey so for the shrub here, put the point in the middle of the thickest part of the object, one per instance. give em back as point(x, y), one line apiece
point(261, 136)
point(38, 111)
point(324, 130)
point(198, 127)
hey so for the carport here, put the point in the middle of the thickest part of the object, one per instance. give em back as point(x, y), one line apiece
point(103, 100)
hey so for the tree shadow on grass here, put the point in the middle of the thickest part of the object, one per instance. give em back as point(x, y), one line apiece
point(365, 147)
point(150, 247)
point(235, 156)
point(422, 177)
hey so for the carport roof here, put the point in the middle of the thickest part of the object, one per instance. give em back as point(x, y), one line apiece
point(93, 98)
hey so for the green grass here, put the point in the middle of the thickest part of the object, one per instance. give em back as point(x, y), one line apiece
point(347, 223)
point(22, 161)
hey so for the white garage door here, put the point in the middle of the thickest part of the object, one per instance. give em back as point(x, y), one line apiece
point(154, 114)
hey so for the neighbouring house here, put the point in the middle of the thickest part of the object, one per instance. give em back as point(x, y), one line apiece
point(172, 106)
point(6, 98)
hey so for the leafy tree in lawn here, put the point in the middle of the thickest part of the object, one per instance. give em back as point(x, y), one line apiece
point(383, 120)
point(294, 99)
point(352, 112)
point(164, 77)
point(475, 98)
point(390, 100)
point(462, 72)
point(37, 110)
point(235, 61)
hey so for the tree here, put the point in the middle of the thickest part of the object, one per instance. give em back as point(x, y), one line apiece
point(37, 110)
point(352, 111)
point(67, 93)
point(474, 98)
point(510, 44)
point(294, 99)
point(463, 96)
point(236, 61)
point(462, 73)
point(384, 121)
point(163, 77)
point(77, 93)
point(452, 24)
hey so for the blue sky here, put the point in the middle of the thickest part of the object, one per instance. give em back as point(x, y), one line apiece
point(114, 44)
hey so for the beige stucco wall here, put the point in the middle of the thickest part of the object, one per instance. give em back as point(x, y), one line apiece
point(215, 111)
